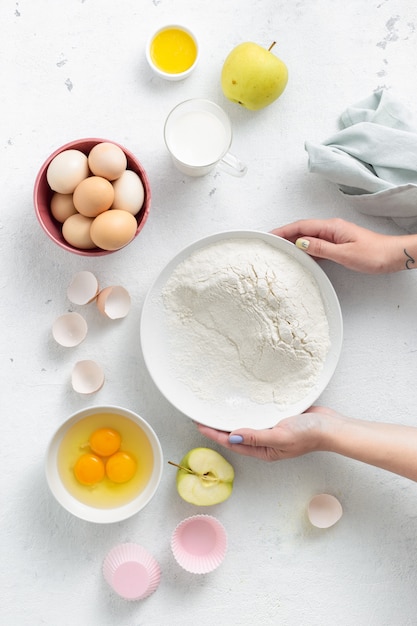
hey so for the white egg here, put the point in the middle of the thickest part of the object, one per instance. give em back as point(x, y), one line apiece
point(67, 170)
point(129, 192)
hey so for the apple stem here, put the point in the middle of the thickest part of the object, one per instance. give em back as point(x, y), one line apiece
point(190, 471)
point(186, 469)
point(271, 46)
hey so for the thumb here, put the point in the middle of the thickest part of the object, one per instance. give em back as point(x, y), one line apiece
point(250, 437)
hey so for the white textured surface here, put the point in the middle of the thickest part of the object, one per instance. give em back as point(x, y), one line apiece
point(77, 69)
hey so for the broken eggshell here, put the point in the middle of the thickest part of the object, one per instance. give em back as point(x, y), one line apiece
point(83, 288)
point(69, 329)
point(87, 377)
point(114, 302)
point(324, 510)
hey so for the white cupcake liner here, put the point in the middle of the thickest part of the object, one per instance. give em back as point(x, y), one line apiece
point(199, 544)
point(131, 571)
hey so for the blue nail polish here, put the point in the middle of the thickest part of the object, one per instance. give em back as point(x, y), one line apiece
point(235, 439)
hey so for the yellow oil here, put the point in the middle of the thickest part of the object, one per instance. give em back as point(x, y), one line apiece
point(105, 494)
point(173, 51)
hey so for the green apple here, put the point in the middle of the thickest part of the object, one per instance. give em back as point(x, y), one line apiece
point(204, 477)
point(253, 76)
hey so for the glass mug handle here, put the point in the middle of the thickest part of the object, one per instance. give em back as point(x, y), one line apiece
point(232, 165)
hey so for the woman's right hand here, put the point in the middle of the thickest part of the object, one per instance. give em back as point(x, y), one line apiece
point(352, 246)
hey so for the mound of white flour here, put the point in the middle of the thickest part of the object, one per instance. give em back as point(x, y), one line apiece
point(246, 320)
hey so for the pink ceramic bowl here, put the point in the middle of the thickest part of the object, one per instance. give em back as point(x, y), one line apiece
point(42, 194)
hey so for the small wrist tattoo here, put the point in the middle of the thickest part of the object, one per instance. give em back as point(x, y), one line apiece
point(410, 261)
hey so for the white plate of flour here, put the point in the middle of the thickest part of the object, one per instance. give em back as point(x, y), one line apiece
point(241, 329)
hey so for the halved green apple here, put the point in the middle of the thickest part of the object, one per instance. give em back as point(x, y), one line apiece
point(204, 477)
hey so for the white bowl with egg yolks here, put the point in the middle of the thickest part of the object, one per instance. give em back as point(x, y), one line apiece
point(105, 502)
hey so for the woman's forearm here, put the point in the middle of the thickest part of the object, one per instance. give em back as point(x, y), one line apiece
point(402, 252)
point(388, 446)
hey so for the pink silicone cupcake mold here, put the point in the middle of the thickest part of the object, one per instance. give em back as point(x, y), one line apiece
point(199, 544)
point(131, 571)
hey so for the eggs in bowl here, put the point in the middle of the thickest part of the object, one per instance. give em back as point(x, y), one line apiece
point(68, 225)
point(104, 496)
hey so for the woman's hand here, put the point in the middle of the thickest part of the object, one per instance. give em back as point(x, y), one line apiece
point(389, 446)
point(352, 246)
point(290, 438)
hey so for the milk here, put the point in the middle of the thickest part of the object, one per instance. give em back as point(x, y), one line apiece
point(197, 138)
point(198, 134)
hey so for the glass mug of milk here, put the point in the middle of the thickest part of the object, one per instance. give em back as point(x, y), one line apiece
point(198, 135)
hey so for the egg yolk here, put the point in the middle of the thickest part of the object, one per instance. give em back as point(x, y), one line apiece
point(120, 467)
point(89, 469)
point(173, 51)
point(105, 441)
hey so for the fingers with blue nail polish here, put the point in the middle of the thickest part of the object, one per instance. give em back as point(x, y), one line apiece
point(235, 439)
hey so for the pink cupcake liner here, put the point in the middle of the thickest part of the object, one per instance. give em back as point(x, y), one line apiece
point(131, 571)
point(199, 544)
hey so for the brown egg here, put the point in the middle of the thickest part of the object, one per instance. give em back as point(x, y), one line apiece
point(93, 196)
point(107, 160)
point(62, 206)
point(113, 229)
point(76, 231)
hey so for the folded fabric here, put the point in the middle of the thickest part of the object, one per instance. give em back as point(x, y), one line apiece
point(373, 159)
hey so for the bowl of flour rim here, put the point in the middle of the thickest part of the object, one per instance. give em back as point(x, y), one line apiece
point(220, 361)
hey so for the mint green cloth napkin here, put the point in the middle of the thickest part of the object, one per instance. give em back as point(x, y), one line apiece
point(373, 159)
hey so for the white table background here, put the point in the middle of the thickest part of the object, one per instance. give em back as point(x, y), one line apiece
point(77, 69)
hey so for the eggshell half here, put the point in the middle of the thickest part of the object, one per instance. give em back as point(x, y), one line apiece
point(83, 288)
point(324, 510)
point(87, 377)
point(69, 329)
point(114, 302)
